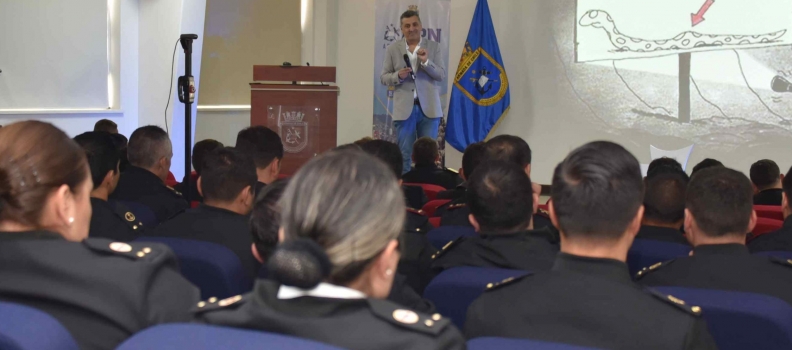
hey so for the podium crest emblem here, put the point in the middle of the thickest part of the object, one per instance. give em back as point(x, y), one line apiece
point(293, 131)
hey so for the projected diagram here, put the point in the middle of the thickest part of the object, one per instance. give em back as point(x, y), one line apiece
point(713, 72)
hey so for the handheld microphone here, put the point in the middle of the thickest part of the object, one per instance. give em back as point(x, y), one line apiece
point(779, 84)
point(407, 62)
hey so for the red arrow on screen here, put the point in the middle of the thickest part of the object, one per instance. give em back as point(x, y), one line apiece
point(697, 18)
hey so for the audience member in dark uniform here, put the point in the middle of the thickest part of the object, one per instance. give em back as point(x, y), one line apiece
point(121, 144)
point(200, 150)
point(150, 152)
point(474, 155)
point(719, 211)
point(426, 156)
point(704, 164)
point(417, 251)
point(663, 164)
point(101, 291)
point(109, 220)
point(264, 146)
point(780, 240)
point(587, 298)
point(227, 181)
point(501, 201)
point(106, 125)
point(264, 225)
point(664, 207)
point(341, 221)
point(384, 150)
point(766, 178)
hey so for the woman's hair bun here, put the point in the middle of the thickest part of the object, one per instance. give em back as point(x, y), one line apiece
point(5, 189)
point(300, 263)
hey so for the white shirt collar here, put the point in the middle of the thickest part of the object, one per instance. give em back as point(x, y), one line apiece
point(323, 290)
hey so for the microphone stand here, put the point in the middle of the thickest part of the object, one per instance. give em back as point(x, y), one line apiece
point(187, 96)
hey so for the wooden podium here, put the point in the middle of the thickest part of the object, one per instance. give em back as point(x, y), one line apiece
point(305, 116)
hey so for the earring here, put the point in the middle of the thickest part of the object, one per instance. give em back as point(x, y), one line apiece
point(71, 221)
point(388, 272)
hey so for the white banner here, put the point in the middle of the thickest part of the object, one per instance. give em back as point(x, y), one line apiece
point(436, 20)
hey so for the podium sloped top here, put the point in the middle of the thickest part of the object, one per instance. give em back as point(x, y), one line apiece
point(294, 73)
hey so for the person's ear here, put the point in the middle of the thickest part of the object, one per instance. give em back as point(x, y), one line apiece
point(198, 185)
point(108, 180)
point(752, 221)
point(63, 211)
point(552, 213)
point(528, 170)
point(462, 174)
point(384, 270)
point(784, 202)
point(635, 225)
point(256, 253)
point(401, 182)
point(535, 198)
point(689, 234)
point(246, 197)
point(474, 222)
point(755, 189)
point(281, 235)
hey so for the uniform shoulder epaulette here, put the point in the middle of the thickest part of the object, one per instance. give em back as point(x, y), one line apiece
point(451, 170)
point(174, 190)
point(780, 261)
point(409, 319)
point(128, 216)
point(416, 211)
point(132, 250)
point(457, 206)
point(679, 303)
point(495, 285)
point(646, 270)
point(446, 248)
point(214, 304)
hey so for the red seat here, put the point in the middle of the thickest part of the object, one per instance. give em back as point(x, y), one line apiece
point(171, 180)
point(769, 211)
point(283, 176)
point(430, 190)
point(435, 221)
point(431, 207)
point(543, 207)
point(764, 225)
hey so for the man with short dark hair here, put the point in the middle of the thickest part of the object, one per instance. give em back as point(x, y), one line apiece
point(108, 220)
point(475, 154)
point(107, 126)
point(501, 201)
point(664, 206)
point(587, 298)
point(264, 146)
point(704, 164)
point(426, 156)
point(779, 240)
point(200, 150)
point(150, 152)
point(414, 196)
point(766, 178)
point(227, 183)
point(664, 164)
point(719, 212)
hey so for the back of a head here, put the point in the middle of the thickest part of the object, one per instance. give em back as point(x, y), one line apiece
point(704, 164)
point(363, 140)
point(663, 164)
point(102, 154)
point(265, 218)
point(664, 199)
point(475, 154)
point(226, 173)
point(200, 150)
point(261, 144)
point(425, 151)
point(509, 148)
point(721, 201)
point(147, 145)
point(764, 174)
point(349, 204)
point(387, 152)
point(500, 197)
point(106, 125)
point(35, 159)
point(597, 191)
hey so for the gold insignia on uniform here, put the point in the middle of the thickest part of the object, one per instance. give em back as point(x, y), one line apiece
point(436, 317)
point(202, 304)
point(120, 247)
point(429, 323)
point(696, 309)
point(129, 216)
point(676, 300)
point(229, 301)
point(405, 316)
point(141, 254)
point(447, 245)
point(147, 250)
point(173, 189)
point(134, 227)
point(655, 266)
point(212, 300)
point(789, 261)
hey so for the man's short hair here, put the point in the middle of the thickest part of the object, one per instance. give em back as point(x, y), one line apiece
point(509, 148)
point(425, 151)
point(500, 197)
point(226, 173)
point(200, 150)
point(664, 198)
point(408, 14)
point(106, 125)
point(704, 164)
point(764, 174)
point(387, 152)
point(261, 144)
point(597, 190)
point(147, 145)
point(663, 164)
point(721, 201)
point(101, 152)
point(475, 154)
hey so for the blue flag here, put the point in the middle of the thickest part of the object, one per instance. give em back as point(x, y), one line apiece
point(480, 95)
